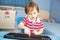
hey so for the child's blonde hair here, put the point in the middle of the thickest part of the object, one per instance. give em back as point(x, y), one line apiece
point(30, 6)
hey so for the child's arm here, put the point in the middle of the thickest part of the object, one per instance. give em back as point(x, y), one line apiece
point(21, 26)
point(26, 29)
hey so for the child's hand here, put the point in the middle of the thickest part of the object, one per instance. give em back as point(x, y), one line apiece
point(27, 31)
point(38, 32)
point(35, 32)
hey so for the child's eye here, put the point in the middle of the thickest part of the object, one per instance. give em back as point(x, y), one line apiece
point(30, 13)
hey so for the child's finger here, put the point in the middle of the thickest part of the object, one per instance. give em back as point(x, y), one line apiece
point(34, 32)
point(27, 31)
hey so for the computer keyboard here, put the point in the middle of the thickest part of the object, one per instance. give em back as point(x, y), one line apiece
point(26, 37)
point(16, 36)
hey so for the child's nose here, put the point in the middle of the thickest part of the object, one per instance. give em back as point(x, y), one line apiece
point(33, 15)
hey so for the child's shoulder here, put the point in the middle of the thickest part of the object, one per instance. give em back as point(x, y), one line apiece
point(25, 19)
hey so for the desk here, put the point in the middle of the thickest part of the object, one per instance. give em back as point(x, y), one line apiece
point(2, 34)
point(53, 37)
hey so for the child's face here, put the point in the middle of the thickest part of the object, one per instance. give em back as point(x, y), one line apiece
point(33, 13)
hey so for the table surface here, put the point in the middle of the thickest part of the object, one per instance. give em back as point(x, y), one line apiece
point(53, 37)
point(54, 28)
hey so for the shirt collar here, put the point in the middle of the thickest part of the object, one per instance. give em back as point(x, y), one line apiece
point(37, 19)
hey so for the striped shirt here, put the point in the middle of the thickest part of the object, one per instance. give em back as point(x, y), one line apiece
point(37, 25)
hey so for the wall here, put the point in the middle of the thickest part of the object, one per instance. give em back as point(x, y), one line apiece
point(55, 10)
point(43, 4)
point(20, 12)
point(14, 2)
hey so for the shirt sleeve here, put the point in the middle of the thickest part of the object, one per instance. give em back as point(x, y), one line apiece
point(24, 21)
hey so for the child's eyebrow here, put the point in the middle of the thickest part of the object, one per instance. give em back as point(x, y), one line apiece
point(30, 13)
